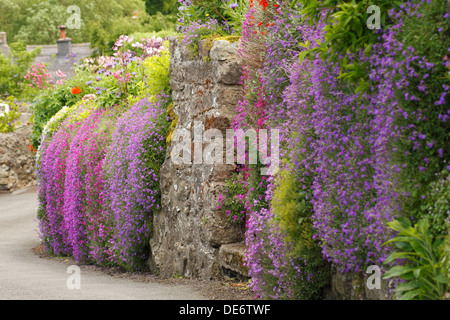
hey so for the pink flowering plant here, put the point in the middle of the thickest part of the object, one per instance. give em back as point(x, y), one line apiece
point(99, 156)
point(113, 80)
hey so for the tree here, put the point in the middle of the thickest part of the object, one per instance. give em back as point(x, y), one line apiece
point(153, 6)
point(164, 6)
point(14, 67)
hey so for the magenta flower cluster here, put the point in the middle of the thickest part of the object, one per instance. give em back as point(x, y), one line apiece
point(99, 184)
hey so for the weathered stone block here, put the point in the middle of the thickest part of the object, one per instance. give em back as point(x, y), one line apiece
point(224, 50)
point(229, 72)
point(231, 259)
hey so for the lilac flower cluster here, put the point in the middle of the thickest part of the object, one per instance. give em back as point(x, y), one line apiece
point(342, 143)
point(135, 155)
point(195, 30)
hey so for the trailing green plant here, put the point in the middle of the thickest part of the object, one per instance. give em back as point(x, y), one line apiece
point(346, 32)
point(292, 212)
point(8, 120)
point(423, 152)
point(232, 203)
point(421, 261)
point(291, 205)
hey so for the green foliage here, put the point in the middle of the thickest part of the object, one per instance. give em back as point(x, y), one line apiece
point(163, 34)
point(8, 119)
point(436, 206)
point(100, 41)
point(291, 205)
point(50, 101)
point(155, 78)
point(14, 67)
point(41, 23)
point(159, 22)
point(233, 204)
point(235, 16)
point(424, 269)
point(346, 32)
point(292, 212)
point(204, 10)
point(76, 113)
point(162, 6)
point(422, 35)
point(198, 32)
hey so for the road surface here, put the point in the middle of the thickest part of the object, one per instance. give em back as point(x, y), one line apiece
point(25, 276)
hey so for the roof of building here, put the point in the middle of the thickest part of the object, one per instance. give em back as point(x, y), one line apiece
point(49, 56)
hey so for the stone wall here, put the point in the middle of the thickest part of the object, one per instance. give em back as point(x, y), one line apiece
point(17, 163)
point(191, 237)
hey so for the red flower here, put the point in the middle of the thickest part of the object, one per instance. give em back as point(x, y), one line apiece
point(263, 3)
point(76, 90)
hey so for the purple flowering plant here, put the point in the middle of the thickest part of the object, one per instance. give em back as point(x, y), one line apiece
point(132, 165)
point(344, 143)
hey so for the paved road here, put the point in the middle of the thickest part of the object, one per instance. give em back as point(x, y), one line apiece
point(25, 276)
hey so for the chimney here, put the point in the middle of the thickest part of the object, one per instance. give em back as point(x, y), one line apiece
point(62, 32)
point(64, 44)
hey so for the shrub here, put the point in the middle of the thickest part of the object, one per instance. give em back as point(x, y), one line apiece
point(155, 77)
point(14, 67)
point(423, 262)
point(51, 100)
point(233, 202)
